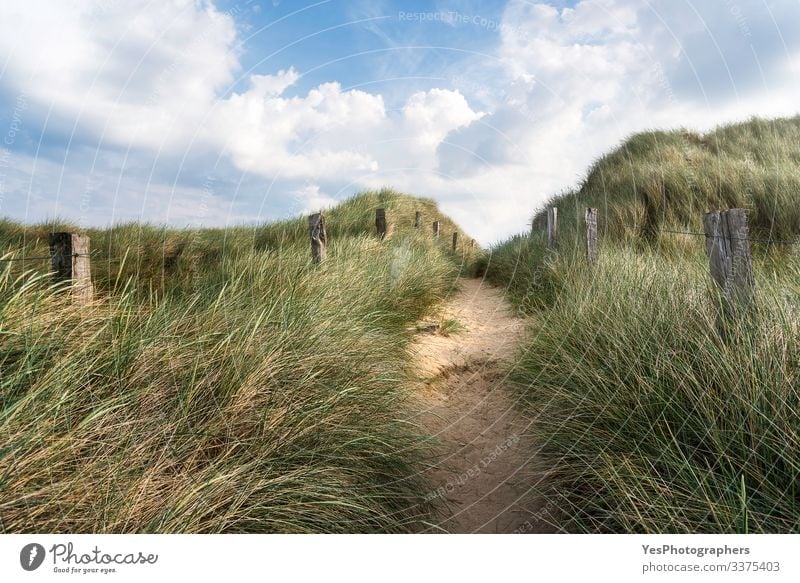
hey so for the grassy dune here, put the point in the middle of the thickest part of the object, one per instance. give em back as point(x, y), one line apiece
point(667, 180)
point(220, 382)
point(649, 419)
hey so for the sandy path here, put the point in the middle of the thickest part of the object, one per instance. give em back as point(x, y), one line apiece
point(484, 472)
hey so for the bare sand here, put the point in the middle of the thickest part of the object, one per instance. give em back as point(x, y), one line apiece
point(485, 470)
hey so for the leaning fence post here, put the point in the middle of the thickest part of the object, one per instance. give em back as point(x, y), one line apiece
point(380, 222)
point(319, 239)
point(69, 255)
point(552, 225)
point(417, 219)
point(728, 249)
point(455, 240)
point(591, 235)
point(436, 229)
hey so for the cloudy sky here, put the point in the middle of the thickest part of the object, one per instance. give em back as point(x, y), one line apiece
point(220, 112)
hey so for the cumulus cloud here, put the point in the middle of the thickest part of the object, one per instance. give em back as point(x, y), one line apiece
point(138, 73)
point(311, 199)
point(269, 134)
point(161, 86)
point(577, 80)
point(156, 77)
point(431, 115)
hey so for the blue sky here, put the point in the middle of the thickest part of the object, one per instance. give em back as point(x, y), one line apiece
point(212, 113)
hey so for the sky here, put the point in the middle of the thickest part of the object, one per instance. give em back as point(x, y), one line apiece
point(211, 113)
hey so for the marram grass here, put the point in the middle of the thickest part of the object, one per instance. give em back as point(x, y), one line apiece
point(248, 391)
point(648, 417)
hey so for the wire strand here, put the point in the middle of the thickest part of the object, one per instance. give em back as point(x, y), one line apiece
point(9, 259)
point(770, 241)
point(691, 233)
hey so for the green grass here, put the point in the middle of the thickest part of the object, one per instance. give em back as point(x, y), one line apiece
point(236, 388)
point(161, 259)
point(650, 419)
point(451, 326)
point(661, 180)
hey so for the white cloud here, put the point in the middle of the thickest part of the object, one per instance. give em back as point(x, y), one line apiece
point(141, 73)
point(578, 80)
point(312, 200)
point(566, 85)
point(273, 85)
point(270, 135)
point(154, 75)
point(431, 115)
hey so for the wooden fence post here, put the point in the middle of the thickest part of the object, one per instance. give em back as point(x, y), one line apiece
point(455, 240)
point(417, 219)
point(591, 235)
point(728, 249)
point(69, 254)
point(552, 225)
point(319, 238)
point(436, 229)
point(380, 223)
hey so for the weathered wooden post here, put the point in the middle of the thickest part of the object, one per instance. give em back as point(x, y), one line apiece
point(455, 240)
point(552, 224)
point(69, 254)
point(417, 219)
point(380, 223)
point(319, 239)
point(728, 249)
point(591, 235)
point(436, 229)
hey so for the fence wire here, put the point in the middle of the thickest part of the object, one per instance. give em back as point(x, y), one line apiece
point(752, 240)
point(42, 257)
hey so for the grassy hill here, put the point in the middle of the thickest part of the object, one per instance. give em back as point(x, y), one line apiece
point(660, 181)
point(220, 382)
point(667, 180)
point(158, 258)
point(650, 420)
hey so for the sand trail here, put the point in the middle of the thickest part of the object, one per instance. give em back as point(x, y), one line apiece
point(485, 471)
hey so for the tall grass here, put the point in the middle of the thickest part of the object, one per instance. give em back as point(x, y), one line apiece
point(255, 393)
point(530, 272)
point(650, 418)
point(161, 259)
